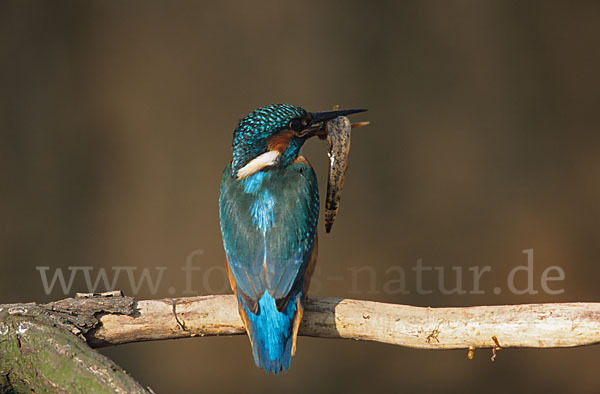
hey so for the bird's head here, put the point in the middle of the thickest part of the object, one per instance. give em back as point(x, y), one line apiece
point(273, 135)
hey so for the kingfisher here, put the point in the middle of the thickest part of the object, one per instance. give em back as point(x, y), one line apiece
point(269, 209)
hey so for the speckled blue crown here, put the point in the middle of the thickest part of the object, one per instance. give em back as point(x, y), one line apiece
point(250, 137)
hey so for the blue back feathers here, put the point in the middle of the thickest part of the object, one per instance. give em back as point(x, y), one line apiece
point(268, 226)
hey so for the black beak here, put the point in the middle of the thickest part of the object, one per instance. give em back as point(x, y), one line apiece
point(318, 117)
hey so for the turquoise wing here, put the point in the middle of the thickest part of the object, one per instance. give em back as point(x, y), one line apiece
point(268, 225)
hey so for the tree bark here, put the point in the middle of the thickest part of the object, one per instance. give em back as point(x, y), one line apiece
point(40, 353)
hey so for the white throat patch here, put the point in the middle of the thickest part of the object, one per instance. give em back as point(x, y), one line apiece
point(266, 159)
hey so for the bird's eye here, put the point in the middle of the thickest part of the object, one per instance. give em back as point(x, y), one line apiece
point(296, 125)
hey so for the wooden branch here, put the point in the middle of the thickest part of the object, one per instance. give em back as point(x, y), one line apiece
point(31, 334)
point(28, 330)
point(530, 325)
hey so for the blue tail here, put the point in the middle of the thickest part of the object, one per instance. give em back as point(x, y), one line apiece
point(271, 333)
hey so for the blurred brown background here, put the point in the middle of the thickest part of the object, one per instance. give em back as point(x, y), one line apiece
point(116, 121)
